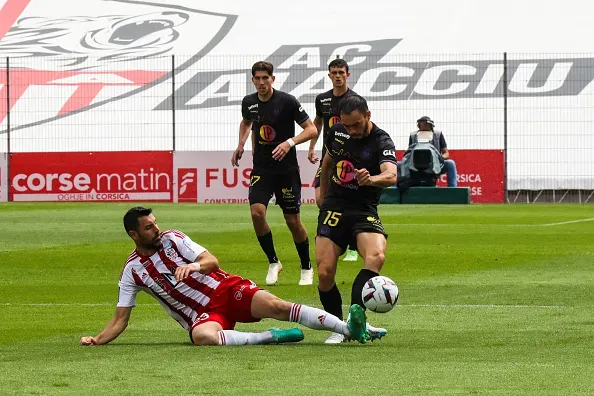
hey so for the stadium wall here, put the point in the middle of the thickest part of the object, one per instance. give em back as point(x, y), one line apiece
point(168, 76)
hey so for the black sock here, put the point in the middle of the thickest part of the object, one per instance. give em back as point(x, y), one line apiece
point(268, 247)
point(332, 301)
point(363, 276)
point(303, 251)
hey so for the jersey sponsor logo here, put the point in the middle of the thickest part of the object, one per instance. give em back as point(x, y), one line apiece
point(253, 106)
point(345, 171)
point(334, 120)
point(343, 135)
point(376, 222)
point(327, 100)
point(267, 133)
point(287, 193)
point(170, 251)
point(389, 153)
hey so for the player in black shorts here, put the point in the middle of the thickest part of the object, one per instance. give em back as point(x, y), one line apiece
point(328, 114)
point(271, 116)
point(360, 161)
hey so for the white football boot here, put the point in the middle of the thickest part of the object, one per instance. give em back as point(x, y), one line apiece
point(273, 271)
point(306, 277)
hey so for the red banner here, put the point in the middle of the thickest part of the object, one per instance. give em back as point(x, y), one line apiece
point(481, 171)
point(100, 176)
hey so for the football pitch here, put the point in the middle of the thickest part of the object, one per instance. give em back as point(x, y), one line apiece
point(494, 299)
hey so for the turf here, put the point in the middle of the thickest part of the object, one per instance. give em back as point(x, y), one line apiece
point(494, 300)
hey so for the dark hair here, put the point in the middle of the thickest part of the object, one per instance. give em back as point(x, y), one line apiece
point(354, 103)
point(339, 63)
point(132, 215)
point(262, 66)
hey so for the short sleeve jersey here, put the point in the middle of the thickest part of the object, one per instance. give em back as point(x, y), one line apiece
point(273, 122)
point(349, 154)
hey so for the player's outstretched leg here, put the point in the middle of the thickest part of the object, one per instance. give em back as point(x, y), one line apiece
point(212, 333)
point(266, 305)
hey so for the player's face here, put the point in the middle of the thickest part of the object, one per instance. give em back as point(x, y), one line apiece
point(338, 75)
point(149, 234)
point(356, 123)
point(263, 82)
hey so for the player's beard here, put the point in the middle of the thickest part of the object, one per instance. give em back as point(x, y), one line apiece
point(156, 242)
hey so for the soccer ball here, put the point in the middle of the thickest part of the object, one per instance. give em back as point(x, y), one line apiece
point(380, 294)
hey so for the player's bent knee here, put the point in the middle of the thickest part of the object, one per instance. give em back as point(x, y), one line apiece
point(204, 339)
point(258, 215)
point(375, 261)
point(293, 221)
point(326, 276)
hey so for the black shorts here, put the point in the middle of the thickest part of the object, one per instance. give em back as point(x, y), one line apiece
point(286, 187)
point(342, 226)
point(316, 182)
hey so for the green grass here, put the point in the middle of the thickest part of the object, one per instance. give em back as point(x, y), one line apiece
point(491, 302)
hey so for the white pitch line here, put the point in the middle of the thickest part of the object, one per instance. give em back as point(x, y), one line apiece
point(456, 306)
point(485, 306)
point(567, 222)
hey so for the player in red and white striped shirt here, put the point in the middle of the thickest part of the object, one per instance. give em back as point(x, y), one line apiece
point(188, 283)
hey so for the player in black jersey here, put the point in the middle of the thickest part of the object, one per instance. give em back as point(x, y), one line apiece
point(328, 114)
point(360, 161)
point(271, 116)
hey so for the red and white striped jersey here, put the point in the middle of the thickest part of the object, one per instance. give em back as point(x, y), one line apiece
point(183, 301)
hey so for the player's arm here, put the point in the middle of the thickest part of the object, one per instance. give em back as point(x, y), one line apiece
point(114, 328)
point(245, 126)
point(387, 178)
point(327, 167)
point(205, 263)
point(244, 132)
point(319, 124)
point(388, 166)
point(308, 132)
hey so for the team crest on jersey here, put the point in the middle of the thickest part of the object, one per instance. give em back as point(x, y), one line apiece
point(366, 153)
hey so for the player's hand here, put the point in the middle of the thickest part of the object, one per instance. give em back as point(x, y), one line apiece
point(312, 157)
point(281, 151)
point(237, 154)
point(363, 177)
point(181, 273)
point(87, 341)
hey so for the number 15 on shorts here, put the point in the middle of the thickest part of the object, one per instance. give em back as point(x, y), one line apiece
point(332, 218)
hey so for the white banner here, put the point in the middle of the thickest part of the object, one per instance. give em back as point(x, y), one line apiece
point(3, 177)
point(86, 77)
point(208, 177)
